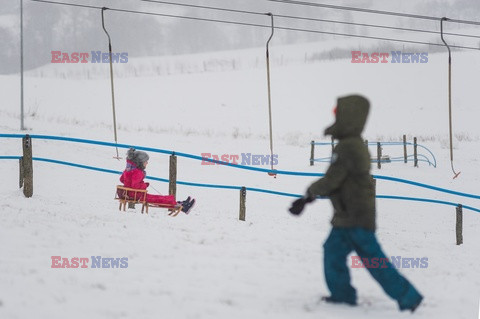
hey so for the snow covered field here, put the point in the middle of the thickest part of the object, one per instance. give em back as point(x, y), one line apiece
point(209, 264)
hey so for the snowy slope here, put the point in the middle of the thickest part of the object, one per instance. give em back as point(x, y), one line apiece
point(208, 264)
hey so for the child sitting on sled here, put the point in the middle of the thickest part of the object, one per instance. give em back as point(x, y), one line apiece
point(134, 174)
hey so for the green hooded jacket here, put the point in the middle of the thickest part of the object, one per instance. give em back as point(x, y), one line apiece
point(348, 182)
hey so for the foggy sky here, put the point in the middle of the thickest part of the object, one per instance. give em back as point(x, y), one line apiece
point(50, 27)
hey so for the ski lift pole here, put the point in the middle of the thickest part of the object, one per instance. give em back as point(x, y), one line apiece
point(22, 115)
point(272, 173)
point(449, 95)
point(111, 82)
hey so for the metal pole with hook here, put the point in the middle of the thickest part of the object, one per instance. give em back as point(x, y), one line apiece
point(111, 81)
point(269, 94)
point(449, 95)
point(22, 121)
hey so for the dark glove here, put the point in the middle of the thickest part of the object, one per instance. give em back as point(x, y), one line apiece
point(299, 204)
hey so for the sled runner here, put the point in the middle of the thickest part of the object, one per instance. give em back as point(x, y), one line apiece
point(138, 196)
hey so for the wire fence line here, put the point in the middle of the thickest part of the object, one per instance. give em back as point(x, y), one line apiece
point(217, 186)
point(405, 158)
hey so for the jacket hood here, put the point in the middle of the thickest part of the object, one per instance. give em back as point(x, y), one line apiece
point(351, 116)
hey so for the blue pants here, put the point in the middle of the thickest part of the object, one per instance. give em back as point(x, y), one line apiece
point(340, 243)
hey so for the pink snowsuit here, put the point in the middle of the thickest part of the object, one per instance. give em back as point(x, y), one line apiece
point(132, 177)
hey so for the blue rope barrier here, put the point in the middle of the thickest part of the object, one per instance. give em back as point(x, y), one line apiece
point(253, 189)
point(196, 157)
point(439, 189)
point(155, 150)
point(427, 201)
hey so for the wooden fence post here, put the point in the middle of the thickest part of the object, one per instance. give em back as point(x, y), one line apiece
point(27, 166)
point(243, 199)
point(312, 152)
point(172, 182)
point(404, 148)
point(379, 155)
point(415, 158)
point(459, 224)
point(20, 165)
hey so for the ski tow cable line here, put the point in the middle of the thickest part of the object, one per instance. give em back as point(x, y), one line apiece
point(111, 82)
point(306, 18)
point(449, 95)
point(373, 11)
point(272, 173)
point(260, 25)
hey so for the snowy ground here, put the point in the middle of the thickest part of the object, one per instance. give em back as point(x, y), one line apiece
point(209, 264)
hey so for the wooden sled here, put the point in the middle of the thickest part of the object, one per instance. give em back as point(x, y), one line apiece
point(139, 197)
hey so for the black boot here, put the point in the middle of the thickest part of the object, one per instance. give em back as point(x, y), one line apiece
point(333, 300)
point(415, 306)
point(188, 206)
point(184, 202)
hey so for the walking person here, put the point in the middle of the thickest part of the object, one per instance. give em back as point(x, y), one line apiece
point(351, 189)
